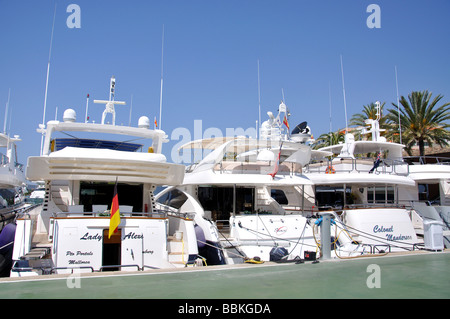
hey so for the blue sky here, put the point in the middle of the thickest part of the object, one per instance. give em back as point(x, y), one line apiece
point(211, 49)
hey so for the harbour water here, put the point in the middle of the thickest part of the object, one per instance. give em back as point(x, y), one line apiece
point(423, 275)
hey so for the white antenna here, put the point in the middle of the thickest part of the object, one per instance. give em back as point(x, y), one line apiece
point(259, 103)
point(46, 82)
point(6, 112)
point(329, 100)
point(131, 108)
point(109, 108)
point(398, 107)
point(378, 109)
point(87, 107)
point(343, 90)
point(162, 65)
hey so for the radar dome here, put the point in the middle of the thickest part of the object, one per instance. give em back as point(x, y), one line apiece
point(144, 122)
point(69, 115)
point(266, 156)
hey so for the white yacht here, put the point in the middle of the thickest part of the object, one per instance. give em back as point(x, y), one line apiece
point(251, 198)
point(12, 176)
point(432, 176)
point(372, 197)
point(81, 171)
point(11, 171)
point(12, 185)
point(38, 194)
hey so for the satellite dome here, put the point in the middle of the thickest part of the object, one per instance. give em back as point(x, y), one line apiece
point(69, 115)
point(144, 122)
point(266, 156)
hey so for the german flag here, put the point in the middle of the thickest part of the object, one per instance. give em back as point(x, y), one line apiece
point(114, 219)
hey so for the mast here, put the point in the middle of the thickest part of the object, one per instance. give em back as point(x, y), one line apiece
point(109, 108)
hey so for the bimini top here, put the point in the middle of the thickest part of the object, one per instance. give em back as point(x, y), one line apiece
point(60, 143)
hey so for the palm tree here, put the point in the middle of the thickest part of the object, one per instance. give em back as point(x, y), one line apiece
point(421, 120)
point(369, 112)
point(329, 139)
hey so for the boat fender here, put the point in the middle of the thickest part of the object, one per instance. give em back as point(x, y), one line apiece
point(201, 241)
point(277, 253)
point(254, 260)
point(6, 251)
point(330, 170)
point(7, 237)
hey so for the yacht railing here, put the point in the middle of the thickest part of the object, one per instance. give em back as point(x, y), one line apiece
point(174, 212)
point(48, 270)
point(423, 160)
point(156, 214)
point(358, 165)
point(237, 167)
point(340, 208)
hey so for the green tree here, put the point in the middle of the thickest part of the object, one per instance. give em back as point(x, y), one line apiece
point(422, 120)
point(328, 139)
point(369, 112)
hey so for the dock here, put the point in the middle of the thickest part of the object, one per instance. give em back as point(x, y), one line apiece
point(415, 275)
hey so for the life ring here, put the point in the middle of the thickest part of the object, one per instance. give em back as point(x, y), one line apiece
point(330, 170)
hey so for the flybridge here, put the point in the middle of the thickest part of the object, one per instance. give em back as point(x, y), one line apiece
point(69, 124)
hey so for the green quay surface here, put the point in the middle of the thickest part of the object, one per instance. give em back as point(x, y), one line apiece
point(425, 275)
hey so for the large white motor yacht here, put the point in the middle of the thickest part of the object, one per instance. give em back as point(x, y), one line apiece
point(251, 198)
point(372, 197)
point(81, 170)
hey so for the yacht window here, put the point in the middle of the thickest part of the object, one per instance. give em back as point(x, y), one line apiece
point(279, 196)
point(380, 195)
point(219, 200)
point(332, 196)
point(174, 198)
point(429, 192)
point(101, 193)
